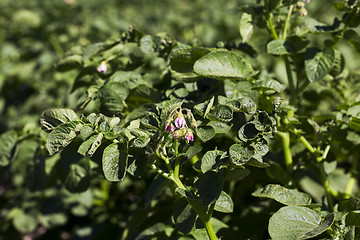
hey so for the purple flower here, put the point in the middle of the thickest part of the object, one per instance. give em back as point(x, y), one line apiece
point(102, 67)
point(306, 1)
point(189, 136)
point(169, 128)
point(180, 121)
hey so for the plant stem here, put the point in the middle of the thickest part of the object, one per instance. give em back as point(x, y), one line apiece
point(270, 23)
point(323, 176)
point(293, 93)
point(287, 22)
point(205, 218)
point(285, 138)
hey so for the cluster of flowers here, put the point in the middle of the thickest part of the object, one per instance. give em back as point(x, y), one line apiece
point(178, 124)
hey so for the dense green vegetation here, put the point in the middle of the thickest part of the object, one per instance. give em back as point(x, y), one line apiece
point(179, 119)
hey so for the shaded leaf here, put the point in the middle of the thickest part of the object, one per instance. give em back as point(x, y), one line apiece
point(210, 186)
point(54, 117)
point(318, 63)
point(114, 161)
point(7, 143)
point(184, 216)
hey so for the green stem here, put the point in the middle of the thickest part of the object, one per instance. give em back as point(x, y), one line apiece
point(205, 218)
point(270, 23)
point(285, 138)
point(325, 183)
point(293, 93)
point(323, 176)
point(287, 22)
point(352, 181)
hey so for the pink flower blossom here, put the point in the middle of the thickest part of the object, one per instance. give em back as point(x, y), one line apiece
point(306, 1)
point(102, 68)
point(180, 121)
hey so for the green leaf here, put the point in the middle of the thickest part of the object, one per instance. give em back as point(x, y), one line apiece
point(268, 84)
point(136, 162)
point(353, 219)
point(210, 186)
point(89, 147)
point(279, 47)
point(350, 204)
point(210, 159)
point(318, 63)
point(205, 133)
point(182, 62)
point(220, 127)
point(246, 27)
point(223, 65)
point(353, 39)
point(62, 135)
point(23, 222)
point(221, 113)
point(249, 131)
point(293, 222)
point(69, 63)
point(92, 49)
point(204, 108)
point(317, 27)
point(240, 154)
point(113, 95)
point(237, 173)
point(114, 161)
point(74, 171)
point(283, 195)
point(224, 203)
point(54, 117)
point(184, 216)
point(325, 225)
point(7, 143)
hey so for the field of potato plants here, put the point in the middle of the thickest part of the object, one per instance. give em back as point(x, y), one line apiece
point(180, 120)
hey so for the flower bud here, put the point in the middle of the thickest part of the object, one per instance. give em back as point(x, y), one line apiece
point(189, 136)
point(102, 68)
point(170, 127)
point(177, 134)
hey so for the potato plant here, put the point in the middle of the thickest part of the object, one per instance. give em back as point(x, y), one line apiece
point(249, 139)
